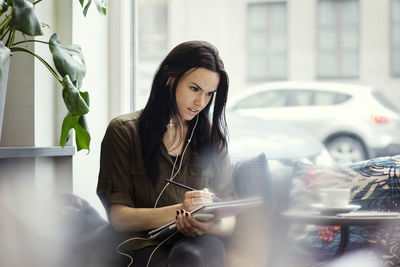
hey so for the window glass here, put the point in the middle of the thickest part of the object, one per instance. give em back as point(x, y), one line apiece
point(329, 98)
point(301, 98)
point(338, 38)
point(257, 25)
point(341, 98)
point(267, 41)
point(152, 45)
point(276, 98)
point(153, 30)
point(349, 30)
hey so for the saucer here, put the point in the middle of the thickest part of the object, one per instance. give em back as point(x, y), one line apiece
point(327, 210)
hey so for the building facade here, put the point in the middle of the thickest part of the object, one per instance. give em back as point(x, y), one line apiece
point(348, 41)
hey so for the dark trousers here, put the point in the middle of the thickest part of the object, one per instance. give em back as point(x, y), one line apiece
point(199, 251)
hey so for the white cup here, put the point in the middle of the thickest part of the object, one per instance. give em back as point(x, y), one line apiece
point(335, 197)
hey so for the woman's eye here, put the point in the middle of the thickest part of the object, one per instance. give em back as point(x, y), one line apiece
point(194, 89)
point(210, 93)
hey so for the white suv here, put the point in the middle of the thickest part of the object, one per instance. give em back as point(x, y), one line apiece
point(354, 122)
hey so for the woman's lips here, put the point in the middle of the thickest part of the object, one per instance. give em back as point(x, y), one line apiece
point(194, 111)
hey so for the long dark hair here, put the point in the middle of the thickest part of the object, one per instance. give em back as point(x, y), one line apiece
point(161, 105)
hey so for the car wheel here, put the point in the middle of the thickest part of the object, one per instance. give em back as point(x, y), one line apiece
point(346, 149)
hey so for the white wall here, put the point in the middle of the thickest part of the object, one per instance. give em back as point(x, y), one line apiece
point(47, 89)
point(91, 32)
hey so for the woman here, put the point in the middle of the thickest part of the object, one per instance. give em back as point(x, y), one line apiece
point(171, 138)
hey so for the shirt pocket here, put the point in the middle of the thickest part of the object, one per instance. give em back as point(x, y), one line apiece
point(140, 190)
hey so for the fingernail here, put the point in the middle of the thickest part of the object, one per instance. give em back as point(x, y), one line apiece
point(182, 211)
point(187, 214)
point(177, 212)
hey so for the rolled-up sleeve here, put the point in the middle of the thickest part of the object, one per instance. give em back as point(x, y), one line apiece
point(114, 184)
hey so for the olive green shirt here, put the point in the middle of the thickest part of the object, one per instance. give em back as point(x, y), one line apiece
point(123, 178)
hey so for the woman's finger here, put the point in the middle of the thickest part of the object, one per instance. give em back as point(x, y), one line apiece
point(179, 223)
point(200, 227)
point(182, 225)
point(201, 200)
point(198, 193)
point(195, 199)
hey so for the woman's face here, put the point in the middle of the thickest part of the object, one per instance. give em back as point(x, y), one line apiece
point(194, 91)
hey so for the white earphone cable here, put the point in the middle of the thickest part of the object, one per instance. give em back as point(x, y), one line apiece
point(125, 254)
point(173, 175)
point(165, 240)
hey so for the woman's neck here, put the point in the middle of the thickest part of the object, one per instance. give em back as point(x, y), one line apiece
point(174, 139)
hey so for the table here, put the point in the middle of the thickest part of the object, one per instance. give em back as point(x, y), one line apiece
point(306, 217)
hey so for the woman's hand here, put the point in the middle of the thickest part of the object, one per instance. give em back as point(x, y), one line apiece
point(195, 199)
point(185, 223)
point(189, 226)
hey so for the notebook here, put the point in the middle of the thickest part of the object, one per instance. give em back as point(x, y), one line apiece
point(214, 210)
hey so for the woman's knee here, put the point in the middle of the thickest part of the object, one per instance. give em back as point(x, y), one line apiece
point(185, 253)
point(200, 251)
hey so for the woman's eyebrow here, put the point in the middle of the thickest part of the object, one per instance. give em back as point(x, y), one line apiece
point(198, 87)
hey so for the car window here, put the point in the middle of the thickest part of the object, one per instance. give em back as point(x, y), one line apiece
point(329, 98)
point(381, 99)
point(301, 98)
point(275, 98)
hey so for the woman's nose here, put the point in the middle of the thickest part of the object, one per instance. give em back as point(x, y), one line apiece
point(201, 100)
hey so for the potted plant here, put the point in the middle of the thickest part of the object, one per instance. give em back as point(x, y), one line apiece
point(19, 17)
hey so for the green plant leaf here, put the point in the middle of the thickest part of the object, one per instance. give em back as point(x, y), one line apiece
point(82, 136)
point(85, 96)
point(85, 10)
point(24, 18)
point(102, 10)
point(45, 25)
point(101, 6)
point(67, 125)
point(68, 60)
point(4, 57)
point(72, 98)
point(83, 122)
